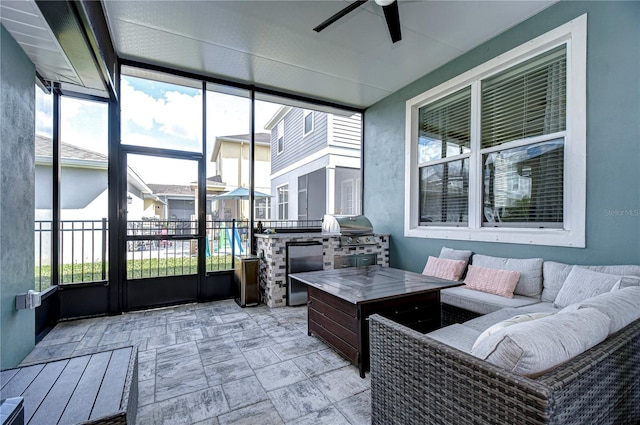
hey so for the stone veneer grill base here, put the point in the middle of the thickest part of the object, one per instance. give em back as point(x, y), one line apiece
point(272, 250)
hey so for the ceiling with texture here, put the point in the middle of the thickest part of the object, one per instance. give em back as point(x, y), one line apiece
point(272, 43)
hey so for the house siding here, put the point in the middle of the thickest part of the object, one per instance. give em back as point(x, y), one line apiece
point(613, 142)
point(347, 131)
point(17, 162)
point(297, 147)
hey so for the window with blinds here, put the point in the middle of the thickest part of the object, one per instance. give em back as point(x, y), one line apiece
point(444, 145)
point(498, 152)
point(522, 173)
point(523, 182)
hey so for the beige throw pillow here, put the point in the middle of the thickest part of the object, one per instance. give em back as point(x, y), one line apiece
point(493, 281)
point(444, 269)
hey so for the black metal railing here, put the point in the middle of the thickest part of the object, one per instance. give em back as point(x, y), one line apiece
point(289, 226)
point(83, 252)
point(155, 248)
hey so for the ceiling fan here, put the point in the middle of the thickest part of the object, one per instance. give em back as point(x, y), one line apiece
point(389, 7)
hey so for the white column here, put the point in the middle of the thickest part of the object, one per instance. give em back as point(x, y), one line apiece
point(331, 189)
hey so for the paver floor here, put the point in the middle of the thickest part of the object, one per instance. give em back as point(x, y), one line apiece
point(217, 363)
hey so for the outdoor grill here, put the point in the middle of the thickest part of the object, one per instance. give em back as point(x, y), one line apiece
point(355, 230)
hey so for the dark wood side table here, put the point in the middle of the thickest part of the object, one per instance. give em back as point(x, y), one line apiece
point(340, 301)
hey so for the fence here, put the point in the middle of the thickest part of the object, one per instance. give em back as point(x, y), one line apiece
point(155, 248)
point(83, 252)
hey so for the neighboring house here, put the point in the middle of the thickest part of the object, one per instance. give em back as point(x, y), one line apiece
point(179, 201)
point(84, 200)
point(231, 158)
point(83, 191)
point(315, 166)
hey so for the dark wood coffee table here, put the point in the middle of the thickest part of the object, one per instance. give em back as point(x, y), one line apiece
point(340, 301)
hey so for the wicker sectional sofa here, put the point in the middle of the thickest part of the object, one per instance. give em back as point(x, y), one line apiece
point(437, 379)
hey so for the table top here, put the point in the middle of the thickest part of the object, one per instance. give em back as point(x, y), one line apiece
point(359, 285)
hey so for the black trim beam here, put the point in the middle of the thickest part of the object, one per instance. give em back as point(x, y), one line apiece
point(117, 173)
point(55, 205)
point(252, 163)
point(201, 196)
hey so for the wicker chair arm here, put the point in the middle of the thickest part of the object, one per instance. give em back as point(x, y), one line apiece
point(418, 380)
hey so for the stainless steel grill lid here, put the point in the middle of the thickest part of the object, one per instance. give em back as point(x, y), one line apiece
point(347, 224)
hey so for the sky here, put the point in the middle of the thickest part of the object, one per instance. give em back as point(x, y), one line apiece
point(154, 114)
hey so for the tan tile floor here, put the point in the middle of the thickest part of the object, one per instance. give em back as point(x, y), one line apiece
point(217, 363)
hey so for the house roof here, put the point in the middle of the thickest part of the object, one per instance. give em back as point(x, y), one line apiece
point(215, 181)
point(263, 139)
point(260, 138)
point(275, 119)
point(171, 189)
point(44, 149)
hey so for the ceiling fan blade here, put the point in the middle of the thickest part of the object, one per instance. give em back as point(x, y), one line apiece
point(392, 17)
point(353, 6)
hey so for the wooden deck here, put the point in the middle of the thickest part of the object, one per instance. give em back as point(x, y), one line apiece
point(100, 388)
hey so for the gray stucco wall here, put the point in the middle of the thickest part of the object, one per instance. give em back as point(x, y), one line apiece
point(79, 187)
point(17, 155)
point(613, 142)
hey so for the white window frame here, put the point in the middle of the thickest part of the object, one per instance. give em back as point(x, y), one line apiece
point(574, 35)
point(304, 118)
point(279, 135)
point(257, 208)
point(283, 203)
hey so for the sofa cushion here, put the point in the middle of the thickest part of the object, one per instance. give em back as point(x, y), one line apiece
point(622, 306)
point(455, 254)
point(457, 336)
point(554, 275)
point(525, 317)
point(444, 269)
point(486, 321)
point(582, 284)
point(481, 302)
point(536, 346)
point(493, 281)
point(542, 307)
point(626, 282)
point(530, 269)
point(618, 270)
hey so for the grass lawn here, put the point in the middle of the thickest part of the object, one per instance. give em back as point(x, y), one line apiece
point(136, 269)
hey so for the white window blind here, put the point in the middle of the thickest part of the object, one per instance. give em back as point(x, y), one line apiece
point(526, 100)
point(524, 185)
point(444, 133)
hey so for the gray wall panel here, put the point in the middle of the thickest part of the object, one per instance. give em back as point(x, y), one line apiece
point(17, 162)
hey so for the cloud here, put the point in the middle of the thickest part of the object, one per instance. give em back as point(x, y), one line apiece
point(171, 115)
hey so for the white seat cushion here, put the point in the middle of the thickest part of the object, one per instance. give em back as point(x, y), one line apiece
point(621, 306)
point(533, 347)
point(582, 284)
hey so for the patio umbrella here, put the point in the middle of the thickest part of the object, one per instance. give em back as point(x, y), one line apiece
point(241, 193)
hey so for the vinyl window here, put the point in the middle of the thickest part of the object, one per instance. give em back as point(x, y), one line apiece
point(283, 202)
point(497, 154)
point(307, 122)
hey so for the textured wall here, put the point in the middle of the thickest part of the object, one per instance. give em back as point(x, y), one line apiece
point(17, 110)
point(613, 141)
